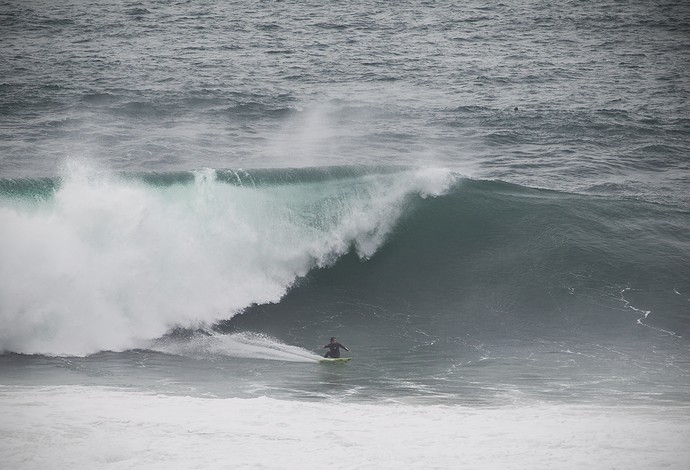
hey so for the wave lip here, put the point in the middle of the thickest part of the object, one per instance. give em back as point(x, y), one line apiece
point(107, 262)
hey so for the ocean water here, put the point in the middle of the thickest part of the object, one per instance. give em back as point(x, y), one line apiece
point(486, 203)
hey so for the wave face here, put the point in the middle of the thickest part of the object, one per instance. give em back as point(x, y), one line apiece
point(95, 261)
point(493, 263)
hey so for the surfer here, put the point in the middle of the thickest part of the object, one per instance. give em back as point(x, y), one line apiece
point(334, 348)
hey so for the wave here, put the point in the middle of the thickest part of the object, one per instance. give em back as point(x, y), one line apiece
point(95, 261)
point(491, 264)
point(417, 258)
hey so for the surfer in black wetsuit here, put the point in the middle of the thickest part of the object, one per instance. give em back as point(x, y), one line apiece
point(334, 348)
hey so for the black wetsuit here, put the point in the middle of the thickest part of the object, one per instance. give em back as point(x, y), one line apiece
point(334, 349)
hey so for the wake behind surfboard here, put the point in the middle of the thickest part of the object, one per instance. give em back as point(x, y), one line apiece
point(337, 360)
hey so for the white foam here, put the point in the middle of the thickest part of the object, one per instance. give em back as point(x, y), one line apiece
point(645, 314)
point(92, 428)
point(108, 264)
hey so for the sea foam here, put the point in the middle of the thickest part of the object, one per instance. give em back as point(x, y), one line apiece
point(81, 427)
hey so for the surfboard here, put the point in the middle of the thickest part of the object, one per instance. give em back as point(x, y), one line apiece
point(339, 360)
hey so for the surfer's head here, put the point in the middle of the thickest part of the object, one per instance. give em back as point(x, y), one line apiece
point(333, 339)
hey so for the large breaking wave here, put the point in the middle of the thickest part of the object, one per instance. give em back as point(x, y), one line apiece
point(96, 261)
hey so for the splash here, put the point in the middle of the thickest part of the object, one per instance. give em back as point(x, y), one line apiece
point(209, 345)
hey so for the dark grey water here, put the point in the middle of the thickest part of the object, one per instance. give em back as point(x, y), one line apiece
point(601, 89)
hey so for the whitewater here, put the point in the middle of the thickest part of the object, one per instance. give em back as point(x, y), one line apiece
point(487, 204)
